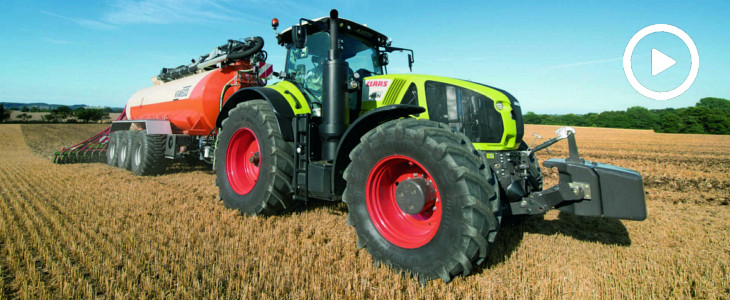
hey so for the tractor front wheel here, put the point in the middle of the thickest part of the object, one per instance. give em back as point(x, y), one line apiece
point(421, 199)
point(254, 164)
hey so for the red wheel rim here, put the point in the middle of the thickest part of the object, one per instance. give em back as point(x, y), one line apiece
point(243, 161)
point(396, 226)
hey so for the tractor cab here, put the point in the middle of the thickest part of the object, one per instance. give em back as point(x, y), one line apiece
point(308, 45)
point(304, 66)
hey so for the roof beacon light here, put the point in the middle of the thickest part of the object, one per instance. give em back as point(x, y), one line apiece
point(275, 23)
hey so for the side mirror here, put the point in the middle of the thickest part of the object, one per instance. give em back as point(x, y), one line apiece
point(384, 59)
point(299, 36)
point(410, 62)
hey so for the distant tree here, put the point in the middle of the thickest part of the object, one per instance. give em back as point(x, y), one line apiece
point(709, 115)
point(532, 118)
point(640, 117)
point(717, 122)
point(50, 118)
point(569, 119)
point(4, 114)
point(24, 117)
point(62, 112)
point(614, 119)
point(714, 103)
point(590, 119)
point(34, 109)
point(90, 114)
point(24, 109)
point(671, 123)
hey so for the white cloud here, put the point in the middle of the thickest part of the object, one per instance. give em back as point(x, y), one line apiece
point(56, 41)
point(83, 22)
point(582, 63)
point(168, 12)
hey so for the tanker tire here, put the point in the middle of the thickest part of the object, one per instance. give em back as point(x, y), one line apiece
point(272, 192)
point(470, 205)
point(125, 149)
point(148, 153)
point(112, 155)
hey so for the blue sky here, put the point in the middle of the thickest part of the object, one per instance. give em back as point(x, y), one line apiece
point(554, 56)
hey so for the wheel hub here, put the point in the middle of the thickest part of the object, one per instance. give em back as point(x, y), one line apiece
point(243, 161)
point(255, 159)
point(414, 195)
point(402, 201)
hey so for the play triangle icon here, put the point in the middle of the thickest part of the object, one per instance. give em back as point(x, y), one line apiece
point(660, 62)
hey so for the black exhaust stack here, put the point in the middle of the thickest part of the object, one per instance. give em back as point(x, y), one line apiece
point(334, 94)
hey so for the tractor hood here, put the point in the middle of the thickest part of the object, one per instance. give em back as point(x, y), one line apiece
point(489, 116)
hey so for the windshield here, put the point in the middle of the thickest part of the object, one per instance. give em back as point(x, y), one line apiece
point(305, 66)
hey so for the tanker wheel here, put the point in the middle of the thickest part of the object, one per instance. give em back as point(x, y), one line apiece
point(148, 153)
point(111, 149)
point(421, 199)
point(254, 164)
point(124, 148)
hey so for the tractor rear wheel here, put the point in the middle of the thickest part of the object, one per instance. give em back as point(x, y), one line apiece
point(124, 148)
point(421, 199)
point(148, 153)
point(254, 164)
point(111, 149)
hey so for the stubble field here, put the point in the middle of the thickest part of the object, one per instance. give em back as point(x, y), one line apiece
point(93, 231)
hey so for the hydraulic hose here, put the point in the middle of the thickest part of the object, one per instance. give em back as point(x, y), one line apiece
point(253, 45)
point(223, 93)
point(258, 45)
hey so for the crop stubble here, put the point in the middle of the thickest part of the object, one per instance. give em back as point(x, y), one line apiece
point(89, 230)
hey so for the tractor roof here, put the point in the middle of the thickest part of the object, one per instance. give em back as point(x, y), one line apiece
point(346, 26)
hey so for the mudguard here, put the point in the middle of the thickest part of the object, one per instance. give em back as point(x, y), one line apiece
point(282, 109)
point(357, 129)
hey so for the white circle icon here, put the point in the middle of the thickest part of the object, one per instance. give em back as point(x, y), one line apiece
point(694, 67)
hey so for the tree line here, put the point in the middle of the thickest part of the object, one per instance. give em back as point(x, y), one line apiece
point(60, 114)
point(710, 115)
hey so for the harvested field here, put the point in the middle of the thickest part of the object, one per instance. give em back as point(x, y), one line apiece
point(89, 230)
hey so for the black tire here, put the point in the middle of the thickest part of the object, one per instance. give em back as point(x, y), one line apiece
point(269, 191)
point(124, 146)
point(148, 153)
point(471, 210)
point(112, 155)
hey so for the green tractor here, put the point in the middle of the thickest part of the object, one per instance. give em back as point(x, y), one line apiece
point(427, 165)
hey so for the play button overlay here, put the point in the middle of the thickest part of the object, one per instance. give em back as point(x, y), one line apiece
point(660, 62)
